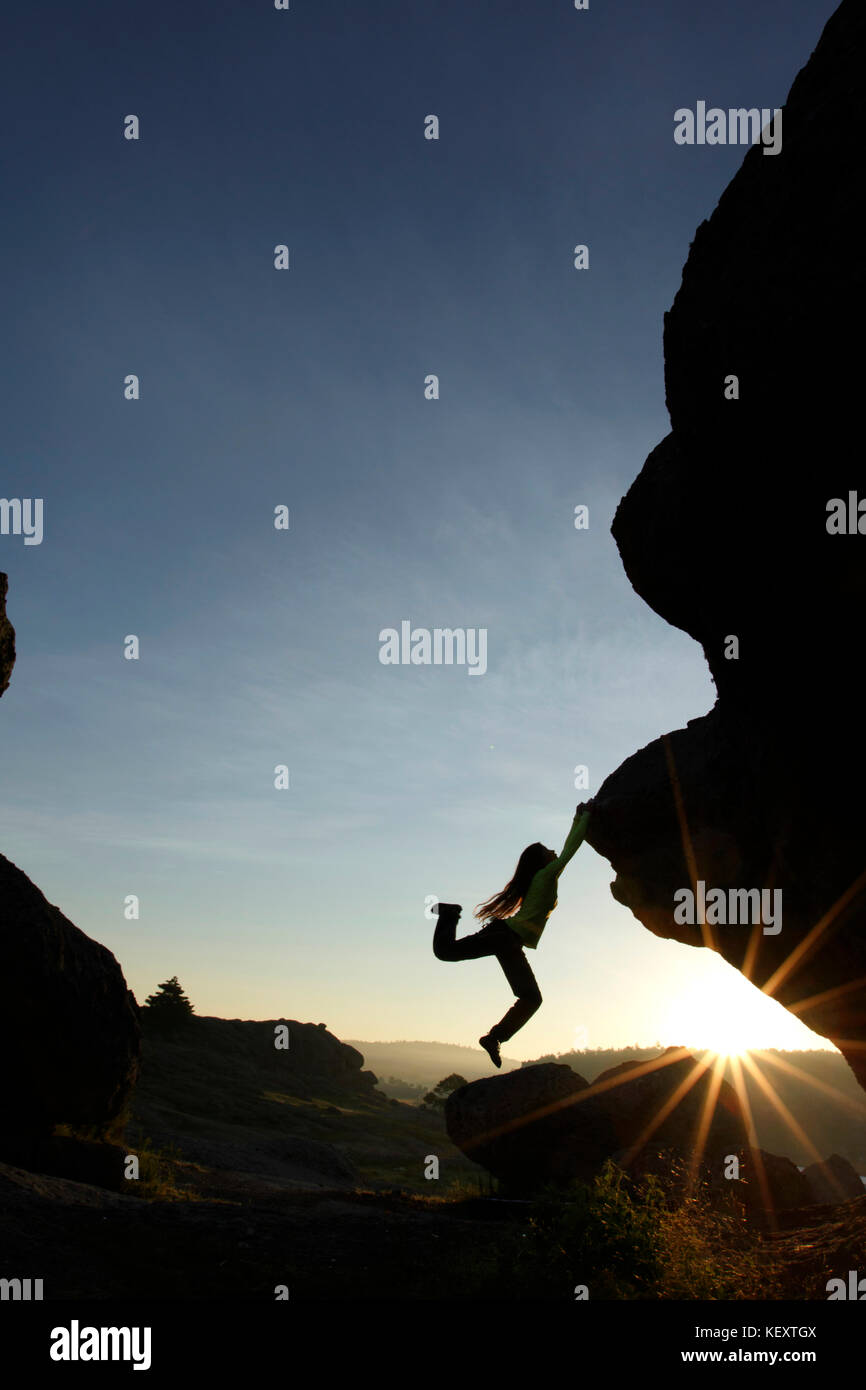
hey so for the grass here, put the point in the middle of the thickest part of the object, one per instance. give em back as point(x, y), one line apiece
point(157, 1174)
point(614, 1239)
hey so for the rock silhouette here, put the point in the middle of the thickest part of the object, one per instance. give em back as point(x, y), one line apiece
point(781, 1186)
point(545, 1123)
point(665, 1117)
point(833, 1181)
point(522, 1126)
point(770, 1181)
point(724, 534)
point(68, 1027)
point(313, 1058)
point(219, 1092)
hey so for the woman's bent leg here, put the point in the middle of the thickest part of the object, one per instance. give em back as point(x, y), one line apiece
point(448, 915)
point(486, 942)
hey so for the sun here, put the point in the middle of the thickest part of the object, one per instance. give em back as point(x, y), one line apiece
point(720, 1012)
point(711, 1025)
point(725, 1034)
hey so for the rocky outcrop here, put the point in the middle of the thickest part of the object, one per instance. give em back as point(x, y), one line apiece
point(667, 1117)
point(220, 1092)
point(314, 1061)
point(724, 534)
point(523, 1127)
point(833, 1181)
point(547, 1124)
point(7, 638)
point(768, 1182)
point(69, 1031)
point(317, 1054)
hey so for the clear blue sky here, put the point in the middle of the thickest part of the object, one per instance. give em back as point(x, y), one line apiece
point(305, 387)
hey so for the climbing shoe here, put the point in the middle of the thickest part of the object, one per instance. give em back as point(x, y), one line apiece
point(448, 910)
point(491, 1047)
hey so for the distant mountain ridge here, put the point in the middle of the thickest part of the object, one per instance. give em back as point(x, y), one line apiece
point(424, 1063)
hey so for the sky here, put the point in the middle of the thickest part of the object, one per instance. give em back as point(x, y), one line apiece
point(304, 388)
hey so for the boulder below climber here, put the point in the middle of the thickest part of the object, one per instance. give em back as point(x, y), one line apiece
point(546, 1123)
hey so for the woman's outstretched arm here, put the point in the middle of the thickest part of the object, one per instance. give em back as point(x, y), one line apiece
point(575, 837)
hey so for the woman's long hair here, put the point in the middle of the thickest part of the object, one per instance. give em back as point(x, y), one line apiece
point(506, 902)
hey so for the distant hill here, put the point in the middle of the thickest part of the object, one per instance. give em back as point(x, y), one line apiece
point(422, 1064)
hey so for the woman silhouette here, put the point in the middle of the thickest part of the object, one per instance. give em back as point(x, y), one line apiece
point(514, 918)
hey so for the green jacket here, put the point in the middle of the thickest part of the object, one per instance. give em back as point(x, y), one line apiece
point(531, 917)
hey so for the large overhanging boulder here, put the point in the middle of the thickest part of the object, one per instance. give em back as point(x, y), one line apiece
point(724, 533)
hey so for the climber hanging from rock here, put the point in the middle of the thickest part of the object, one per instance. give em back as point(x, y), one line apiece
point(513, 918)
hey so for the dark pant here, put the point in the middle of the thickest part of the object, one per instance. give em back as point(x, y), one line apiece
point(497, 939)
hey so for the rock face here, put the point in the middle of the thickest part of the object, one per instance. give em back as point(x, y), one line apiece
point(833, 1181)
point(7, 638)
point(545, 1123)
point(314, 1053)
point(664, 1101)
point(522, 1126)
point(724, 534)
point(239, 1050)
point(770, 1182)
point(665, 1117)
point(69, 1030)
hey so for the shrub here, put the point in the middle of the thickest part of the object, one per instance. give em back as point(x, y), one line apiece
point(629, 1240)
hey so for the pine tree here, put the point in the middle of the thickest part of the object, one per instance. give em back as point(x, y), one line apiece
point(169, 1005)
